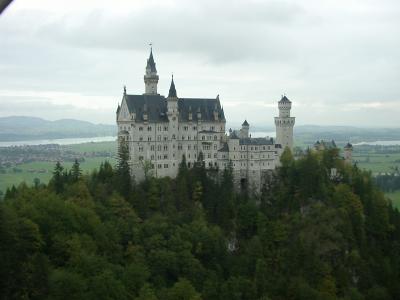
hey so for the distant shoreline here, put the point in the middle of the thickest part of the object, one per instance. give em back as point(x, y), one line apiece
point(63, 141)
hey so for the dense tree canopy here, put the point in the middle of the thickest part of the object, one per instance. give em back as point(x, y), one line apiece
point(310, 234)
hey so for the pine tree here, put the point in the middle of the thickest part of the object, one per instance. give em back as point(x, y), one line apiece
point(124, 181)
point(58, 178)
point(76, 171)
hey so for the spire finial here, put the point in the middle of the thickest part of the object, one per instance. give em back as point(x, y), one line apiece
point(124, 89)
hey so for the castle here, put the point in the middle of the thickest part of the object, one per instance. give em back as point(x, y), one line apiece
point(162, 130)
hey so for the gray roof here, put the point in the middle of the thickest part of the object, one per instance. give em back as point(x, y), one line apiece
point(156, 107)
point(326, 144)
point(245, 123)
point(285, 100)
point(172, 89)
point(233, 135)
point(256, 141)
point(151, 63)
point(348, 146)
point(225, 148)
point(206, 107)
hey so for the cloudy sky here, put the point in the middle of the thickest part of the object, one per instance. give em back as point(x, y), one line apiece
point(337, 60)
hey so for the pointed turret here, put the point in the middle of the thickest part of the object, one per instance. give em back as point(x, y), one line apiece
point(151, 77)
point(172, 101)
point(172, 90)
point(244, 132)
point(150, 62)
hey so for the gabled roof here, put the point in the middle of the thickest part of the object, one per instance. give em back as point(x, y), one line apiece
point(156, 108)
point(206, 107)
point(245, 123)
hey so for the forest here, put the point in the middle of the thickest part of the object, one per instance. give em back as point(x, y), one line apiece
point(307, 235)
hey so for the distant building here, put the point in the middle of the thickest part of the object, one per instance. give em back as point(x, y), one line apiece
point(324, 145)
point(161, 130)
point(348, 153)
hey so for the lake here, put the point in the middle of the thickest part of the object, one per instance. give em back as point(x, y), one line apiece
point(379, 143)
point(71, 141)
point(68, 141)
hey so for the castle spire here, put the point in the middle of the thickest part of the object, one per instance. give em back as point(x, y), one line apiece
point(151, 77)
point(150, 62)
point(172, 90)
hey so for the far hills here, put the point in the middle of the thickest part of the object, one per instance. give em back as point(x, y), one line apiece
point(21, 128)
point(18, 128)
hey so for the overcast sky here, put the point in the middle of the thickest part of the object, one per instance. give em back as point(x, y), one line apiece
point(338, 61)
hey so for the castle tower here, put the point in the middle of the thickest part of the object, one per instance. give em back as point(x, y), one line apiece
point(284, 124)
point(348, 153)
point(151, 77)
point(172, 101)
point(244, 131)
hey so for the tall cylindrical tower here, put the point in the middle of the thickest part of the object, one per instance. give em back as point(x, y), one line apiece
point(284, 124)
point(151, 77)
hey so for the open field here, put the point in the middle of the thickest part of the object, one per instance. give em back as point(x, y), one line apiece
point(27, 172)
point(395, 197)
point(376, 161)
point(110, 147)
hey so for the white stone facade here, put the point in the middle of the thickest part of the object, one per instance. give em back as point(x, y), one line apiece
point(159, 131)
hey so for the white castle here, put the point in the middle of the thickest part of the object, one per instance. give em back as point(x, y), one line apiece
point(162, 130)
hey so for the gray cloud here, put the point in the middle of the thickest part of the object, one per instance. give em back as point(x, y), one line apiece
point(335, 61)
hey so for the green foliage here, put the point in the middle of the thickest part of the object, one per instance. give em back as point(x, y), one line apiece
point(101, 236)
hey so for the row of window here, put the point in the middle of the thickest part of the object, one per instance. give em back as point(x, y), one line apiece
point(165, 147)
point(165, 138)
point(165, 128)
point(251, 148)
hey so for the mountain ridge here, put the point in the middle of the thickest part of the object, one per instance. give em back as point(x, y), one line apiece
point(16, 128)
